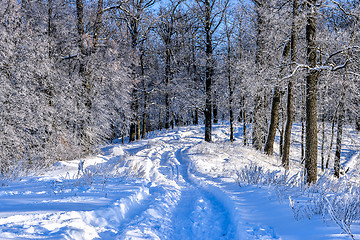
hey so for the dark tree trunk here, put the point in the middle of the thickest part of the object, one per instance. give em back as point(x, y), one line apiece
point(167, 83)
point(138, 122)
point(244, 118)
point(311, 151)
point(132, 133)
point(134, 95)
point(196, 117)
point(80, 25)
point(289, 120)
point(144, 119)
point(302, 119)
point(332, 137)
point(97, 25)
point(208, 71)
point(323, 128)
point(215, 110)
point(86, 85)
point(339, 138)
point(231, 93)
point(259, 122)
point(274, 121)
point(144, 123)
point(261, 105)
point(282, 127)
point(256, 123)
point(290, 91)
point(50, 28)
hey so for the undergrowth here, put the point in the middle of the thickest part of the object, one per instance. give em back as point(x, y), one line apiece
point(333, 199)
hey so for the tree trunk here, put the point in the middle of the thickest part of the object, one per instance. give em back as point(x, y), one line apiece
point(332, 137)
point(138, 123)
point(290, 91)
point(303, 135)
point(144, 120)
point(274, 121)
point(134, 101)
point(339, 138)
point(50, 28)
point(244, 121)
point(132, 134)
point(282, 127)
point(323, 138)
point(311, 139)
point(80, 24)
point(256, 123)
point(215, 109)
point(86, 85)
point(196, 117)
point(167, 83)
point(143, 133)
point(259, 122)
point(97, 25)
point(290, 115)
point(231, 91)
point(208, 71)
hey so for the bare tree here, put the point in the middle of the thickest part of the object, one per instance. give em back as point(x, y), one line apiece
point(211, 15)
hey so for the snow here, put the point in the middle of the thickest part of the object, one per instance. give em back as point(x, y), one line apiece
point(172, 185)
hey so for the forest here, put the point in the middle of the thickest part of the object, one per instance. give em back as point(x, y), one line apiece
point(76, 74)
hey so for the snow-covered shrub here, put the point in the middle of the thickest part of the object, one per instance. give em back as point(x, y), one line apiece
point(332, 199)
point(98, 175)
point(256, 175)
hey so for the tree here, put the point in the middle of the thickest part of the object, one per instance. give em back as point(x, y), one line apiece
point(290, 89)
point(135, 12)
point(166, 30)
point(311, 94)
point(211, 15)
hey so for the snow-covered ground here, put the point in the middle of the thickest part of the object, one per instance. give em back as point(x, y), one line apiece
point(172, 185)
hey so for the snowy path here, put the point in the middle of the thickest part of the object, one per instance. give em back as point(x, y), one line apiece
point(180, 187)
point(180, 208)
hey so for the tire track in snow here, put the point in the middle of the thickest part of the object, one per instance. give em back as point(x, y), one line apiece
point(180, 207)
point(199, 213)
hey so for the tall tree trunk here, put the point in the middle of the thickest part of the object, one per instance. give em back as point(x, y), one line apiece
point(339, 137)
point(86, 85)
point(144, 122)
point(144, 119)
point(215, 109)
point(311, 140)
point(132, 133)
point(332, 137)
point(196, 117)
point(285, 160)
point(323, 137)
point(50, 28)
point(244, 118)
point(274, 121)
point(258, 128)
point(303, 132)
point(282, 127)
point(231, 92)
point(80, 25)
point(256, 123)
point(134, 95)
point(208, 71)
point(97, 25)
point(167, 83)
point(138, 120)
